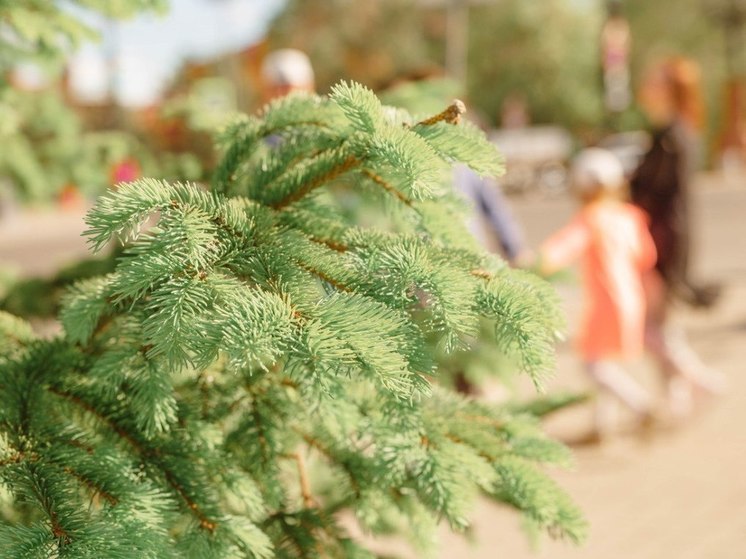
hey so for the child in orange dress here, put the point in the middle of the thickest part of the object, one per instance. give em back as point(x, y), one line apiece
point(612, 240)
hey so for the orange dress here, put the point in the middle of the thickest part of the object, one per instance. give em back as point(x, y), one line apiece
point(616, 249)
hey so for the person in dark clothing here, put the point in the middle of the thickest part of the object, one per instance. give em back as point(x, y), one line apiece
point(671, 96)
point(660, 186)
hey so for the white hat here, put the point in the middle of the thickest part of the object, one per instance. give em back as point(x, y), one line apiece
point(596, 168)
point(288, 67)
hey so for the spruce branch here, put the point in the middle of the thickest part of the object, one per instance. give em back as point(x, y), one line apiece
point(92, 485)
point(295, 112)
point(145, 453)
point(104, 418)
point(60, 532)
point(317, 287)
point(360, 105)
point(205, 522)
point(316, 444)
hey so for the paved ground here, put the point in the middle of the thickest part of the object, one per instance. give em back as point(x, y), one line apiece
point(681, 495)
point(39, 242)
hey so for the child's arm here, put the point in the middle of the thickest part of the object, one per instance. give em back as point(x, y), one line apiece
point(645, 253)
point(564, 247)
point(648, 252)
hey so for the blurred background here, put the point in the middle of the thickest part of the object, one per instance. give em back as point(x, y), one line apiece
point(92, 97)
point(562, 72)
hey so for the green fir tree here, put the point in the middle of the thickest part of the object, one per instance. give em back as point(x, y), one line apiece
point(260, 362)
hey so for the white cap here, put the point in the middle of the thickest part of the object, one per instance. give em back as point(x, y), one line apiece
point(288, 67)
point(596, 168)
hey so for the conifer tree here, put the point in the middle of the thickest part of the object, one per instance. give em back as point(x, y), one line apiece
point(260, 361)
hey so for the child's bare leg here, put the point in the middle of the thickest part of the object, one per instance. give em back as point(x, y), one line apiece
point(689, 365)
point(616, 381)
point(681, 367)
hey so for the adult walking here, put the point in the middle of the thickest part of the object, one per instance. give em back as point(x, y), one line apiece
point(670, 94)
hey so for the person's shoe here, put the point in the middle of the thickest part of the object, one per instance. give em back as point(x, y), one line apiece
point(705, 296)
point(648, 423)
point(591, 438)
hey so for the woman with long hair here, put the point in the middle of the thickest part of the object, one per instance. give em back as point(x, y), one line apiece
point(671, 96)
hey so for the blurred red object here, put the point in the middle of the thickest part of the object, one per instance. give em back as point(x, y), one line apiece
point(126, 170)
point(70, 197)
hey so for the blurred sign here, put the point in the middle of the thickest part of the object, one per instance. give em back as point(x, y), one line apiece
point(30, 77)
point(533, 143)
point(615, 49)
point(88, 79)
point(535, 159)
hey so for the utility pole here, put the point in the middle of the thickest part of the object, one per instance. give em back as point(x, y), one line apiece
point(731, 15)
point(457, 40)
point(457, 35)
point(615, 51)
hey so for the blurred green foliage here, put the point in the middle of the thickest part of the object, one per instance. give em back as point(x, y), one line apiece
point(422, 96)
point(544, 52)
point(46, 146)
point(513, 50)
point(369, 42)
point(45, 30)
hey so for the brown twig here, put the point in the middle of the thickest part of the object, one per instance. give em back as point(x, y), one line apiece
point(451, 115)
point(380, 181)
point(333, 173)
point(313, 443)
point(334, 245)
point(57, 530)
point(321, 275)
point(104, 323)
point(305, 486)
point(204, 521)
point(15, 459)
point(111, 499)
point(484, 274)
